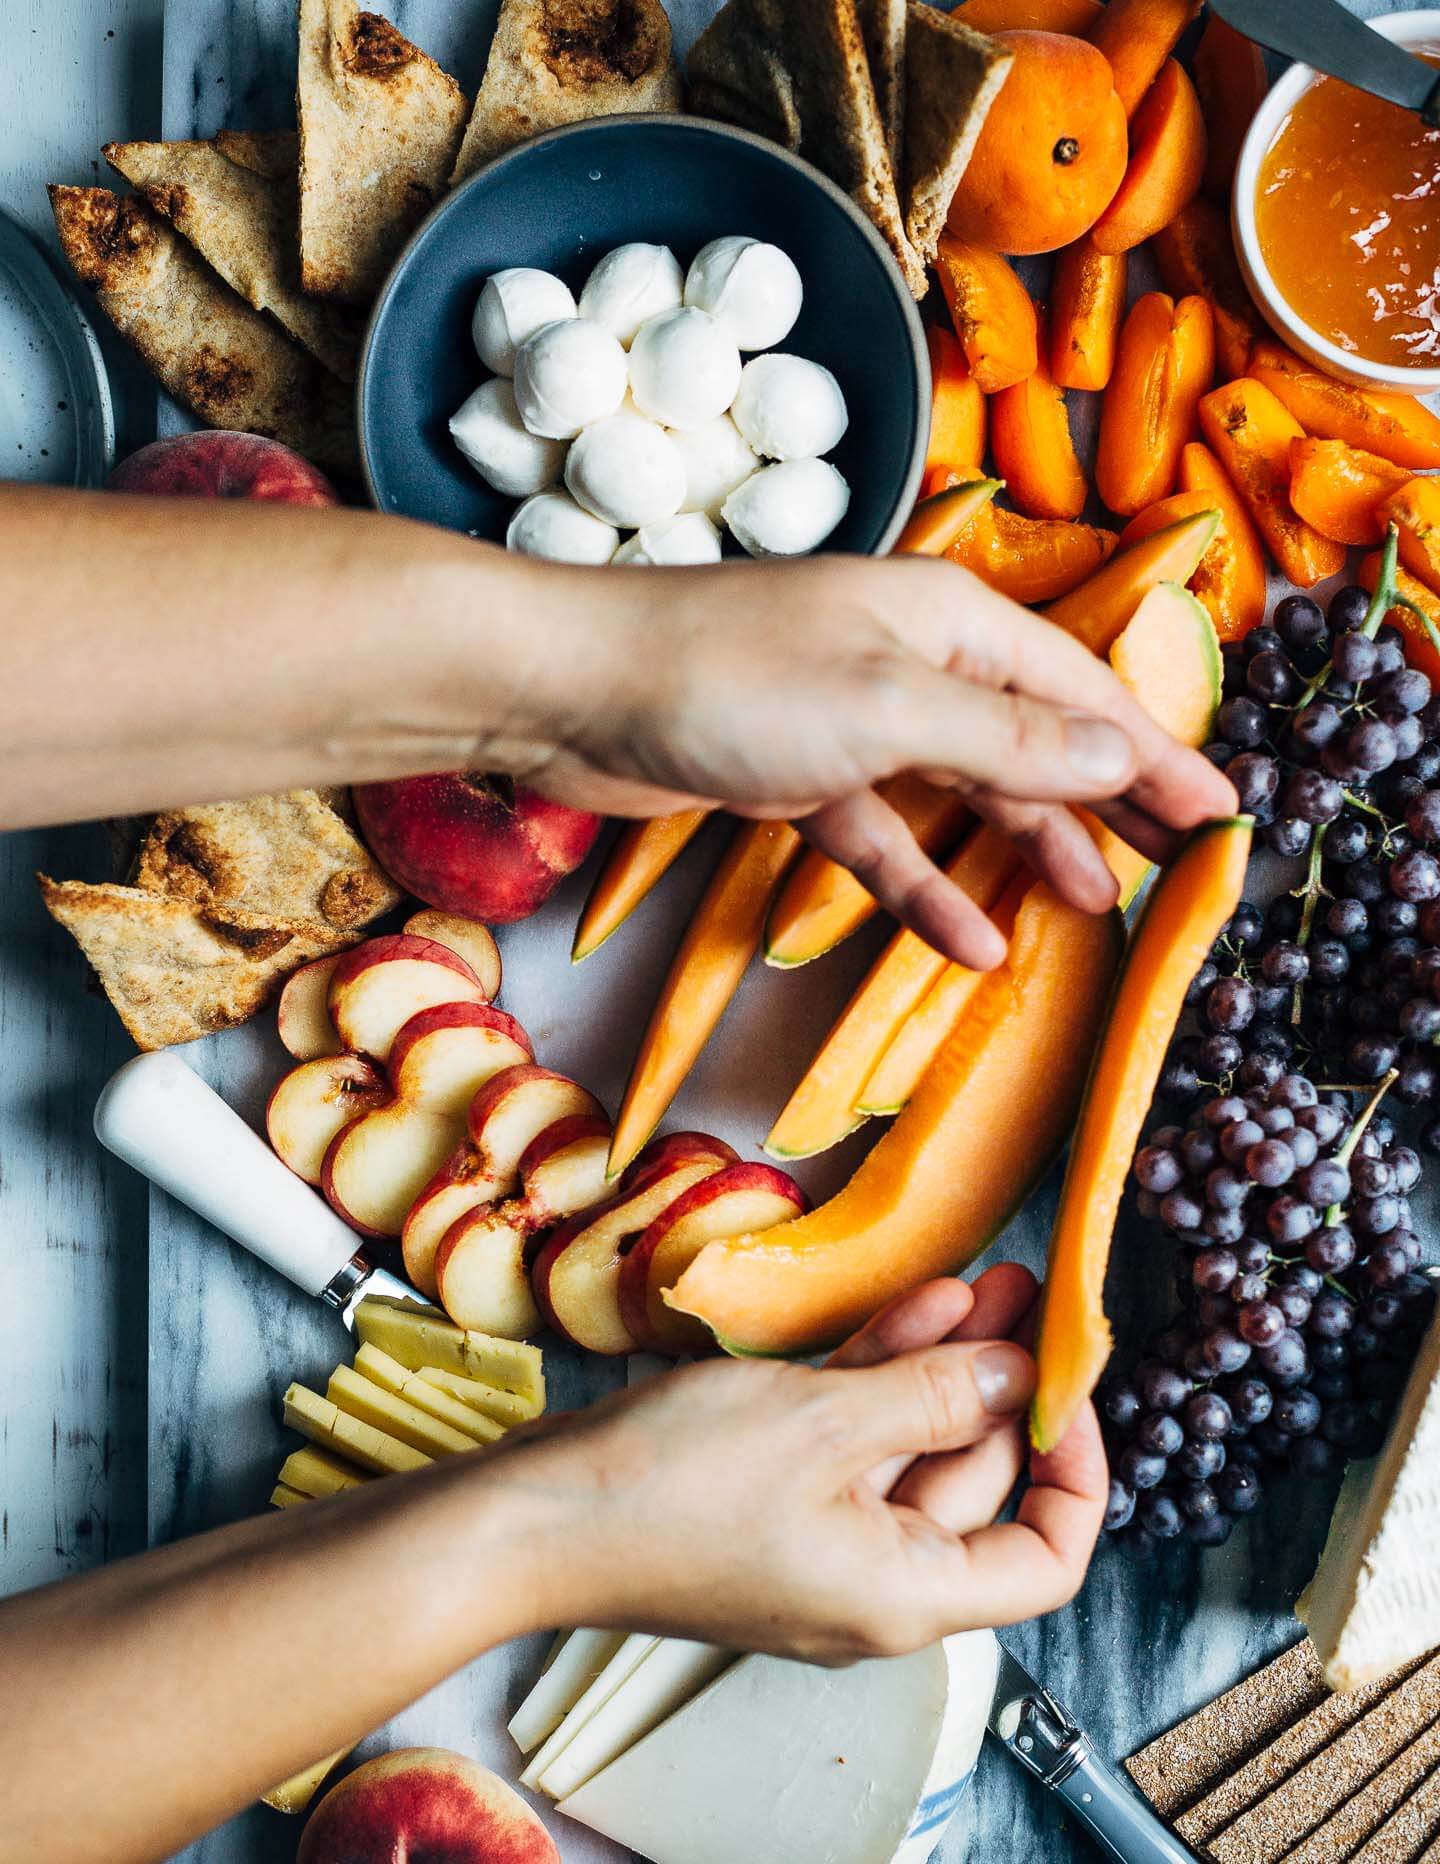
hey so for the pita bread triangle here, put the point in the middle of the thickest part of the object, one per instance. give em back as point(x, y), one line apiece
point(882, 26)
point(952, 76)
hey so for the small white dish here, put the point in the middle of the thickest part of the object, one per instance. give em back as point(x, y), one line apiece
point(1419, 30)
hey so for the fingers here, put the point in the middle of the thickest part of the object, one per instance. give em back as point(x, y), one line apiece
point(862, 832)
point(1001, 1297)
point(923, 1317)
point(964, 1490)
point(940, 1398)
point(1056, 846)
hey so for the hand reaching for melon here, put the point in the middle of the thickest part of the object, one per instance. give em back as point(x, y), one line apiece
point(792, 690)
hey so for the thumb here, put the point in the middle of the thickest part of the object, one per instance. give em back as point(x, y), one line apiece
point(942, 1398)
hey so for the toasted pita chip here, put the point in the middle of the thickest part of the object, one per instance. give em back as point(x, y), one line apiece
point(290, 857)
point(882, 26)
point(230, 365)
point(274, 153)
point(380, 124)
point(564, 61)
point(245, 221)
point(952, 76)
point(176, 971)
point(738, 77)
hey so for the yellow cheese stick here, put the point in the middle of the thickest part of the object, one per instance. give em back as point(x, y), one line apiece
point(283, 1496)
point(295, 1794)
point(384, 1371)
point(372, 1404)
point(315, 1472)
point(506, 1408)
point(422, 1336)
point(323, 1422)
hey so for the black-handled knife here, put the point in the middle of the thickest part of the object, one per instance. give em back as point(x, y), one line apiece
point(1326, 35)
point(1047, 1741)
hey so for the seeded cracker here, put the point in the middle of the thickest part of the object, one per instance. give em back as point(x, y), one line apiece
point(952, 77)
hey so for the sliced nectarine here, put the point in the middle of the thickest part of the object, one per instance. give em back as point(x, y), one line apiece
point(382, 983)
point(1165, 363)
point(1231, 80)
point(1230, 579)
point(316, 1101)
point(303, 1013)
point(443, 1056)
point(473, 942)
point(1030, 559)
point(1167, 164)
point(1196, 257)
point(957, 407)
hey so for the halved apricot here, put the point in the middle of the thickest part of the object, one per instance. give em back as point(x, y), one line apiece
point(1167, 163)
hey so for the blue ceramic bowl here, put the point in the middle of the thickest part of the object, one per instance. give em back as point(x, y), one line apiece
point(564, 200)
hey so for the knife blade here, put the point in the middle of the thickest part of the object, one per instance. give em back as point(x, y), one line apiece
point(157, 1115)
point(1047, 1741)
point(1325, 35)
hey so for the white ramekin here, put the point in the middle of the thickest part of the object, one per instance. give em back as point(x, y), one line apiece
point(1418, 29)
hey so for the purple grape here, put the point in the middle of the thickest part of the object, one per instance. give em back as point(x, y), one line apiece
point(1157, 1169)
point(1237, 1488)
point(1250, 1400)
point(1199, 1458)
point(1206, 1415)
point(1213, 1270)
point(1260, 1323)
point(1285, 1359)
point(1300, 622)
point(1139, 1469)
point(1120, 1404)
point(1315, 725)
point(1237, 1139)
point(1241, 722)
point(1230, 1005)
point(1160, 1516)
point(1271, 1164)
point(1312, 1457)
point(1290, 1219)
point(1162, 1387)
point(1120, 1506)
point(1415, 877)
point(1256, 778)
point(1331, 1316)
point(1159, 1433)
point(1354, 657)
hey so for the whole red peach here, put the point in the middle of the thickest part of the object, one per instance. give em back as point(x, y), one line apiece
point(424, 1803)
point(217, 464)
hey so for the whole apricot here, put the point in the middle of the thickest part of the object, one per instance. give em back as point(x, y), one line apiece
point(1052, 151)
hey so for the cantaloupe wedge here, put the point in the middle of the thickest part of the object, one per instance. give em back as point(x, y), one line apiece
point(642, 853)
point(945, 1179)
point(821, 1111)
point(1191, 900)
point(937, 521)
point(1101, 608)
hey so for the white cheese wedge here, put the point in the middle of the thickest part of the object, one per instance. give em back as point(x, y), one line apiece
point(422, 1336)
point(667, 1678)
point(382, 1370)
point(576, 1659)
point(777, 1761)
point(632, 1652)
point(316, 1472)
point(333, 1429)
point(1374, 1602)
point(505, 1408)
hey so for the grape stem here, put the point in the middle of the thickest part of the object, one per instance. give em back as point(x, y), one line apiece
point(1384, 599)
point(1403, 601)
point(1311, 893)
point(1356, 1133)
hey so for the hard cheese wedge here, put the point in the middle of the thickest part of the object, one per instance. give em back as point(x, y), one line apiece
point(1374, 1602)
point(315, 1472)
point(326, 1424)
point(631, 1654)
point(422, 1336)
point(380, 1369)
point(283, 1496)
point(372, 1404)
point(295, 1794)
point(576, 1659)
point(776, 1761)
point(505, 1408)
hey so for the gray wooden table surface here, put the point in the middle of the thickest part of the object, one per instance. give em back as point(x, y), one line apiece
point(141, 1358)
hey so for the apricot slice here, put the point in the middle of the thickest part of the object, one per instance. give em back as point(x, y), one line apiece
point(957, 408)
point(1166, 362)
point(992, 312)
point(1338, 490)
point(1231, 80)
point(640, 855)
point(1229, 579)
point(1397, 427)
point(946, 1178)
point(1087, 307)
point(1076, 16)
point(1196, 254)
point(1099, 611)
point(1251, 432)
point(1167, 164)
point(1415, 509)
point(937, 521)
point(1030, 559)
point(1051, 152)
point(1032, 445)
point(1190, 902)
point(1137, 37)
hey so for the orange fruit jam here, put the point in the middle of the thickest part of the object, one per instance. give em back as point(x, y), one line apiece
point(1348, 213)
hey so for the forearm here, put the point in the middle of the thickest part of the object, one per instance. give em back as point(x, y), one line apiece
point(149, 1701)
point(160, 652)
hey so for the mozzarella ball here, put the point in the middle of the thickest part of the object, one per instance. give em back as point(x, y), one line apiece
point(684, 369)
point(717, 458)
point(552, 525)
point(630, 285)
point(785, 510)
point(626, 470)
point(488, 430)
point(789, 408)
point(750, 287)
point(512, 306)
point(688, 538)
point(567, 375)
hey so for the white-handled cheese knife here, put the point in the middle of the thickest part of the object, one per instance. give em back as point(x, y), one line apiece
point(1048, 1742)
point(159, 1116)
point(1328, 37)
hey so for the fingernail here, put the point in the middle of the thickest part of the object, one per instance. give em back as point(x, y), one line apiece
point(1097, 752)
point(1004, 1378)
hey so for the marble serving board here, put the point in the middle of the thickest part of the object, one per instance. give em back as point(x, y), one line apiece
point(1139, 1648)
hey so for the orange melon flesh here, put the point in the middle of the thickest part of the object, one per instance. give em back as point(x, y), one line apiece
point(821, 1111)
point(643, 851)
point(1098, 611)
point(1192, 899)
point(945, 1179)
point(937, 521)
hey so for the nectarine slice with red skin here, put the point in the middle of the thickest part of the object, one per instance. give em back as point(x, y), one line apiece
point(1190, 902)
point(384, 981)
point(424, 1802)
point(303, 1013)
point(641, 854)
point(443, 1056)
point(316, 1101)
point(948, 1175)
point(731, 1202)
point(470, 940)
point(1167, 164)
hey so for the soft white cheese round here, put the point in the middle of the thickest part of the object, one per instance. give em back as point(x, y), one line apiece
point(689, 537)
point(684, 369)
point(789, 408)
point(566, 375)
point(626, 470)
point(512, 306)
point(717, 458)
point(488, 430)
point(785, 510)
point(552, 525)
point(630, 285)
point(750, 287)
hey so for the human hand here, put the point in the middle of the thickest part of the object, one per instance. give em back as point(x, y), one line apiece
point(830, 1514)
point(791, 689)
